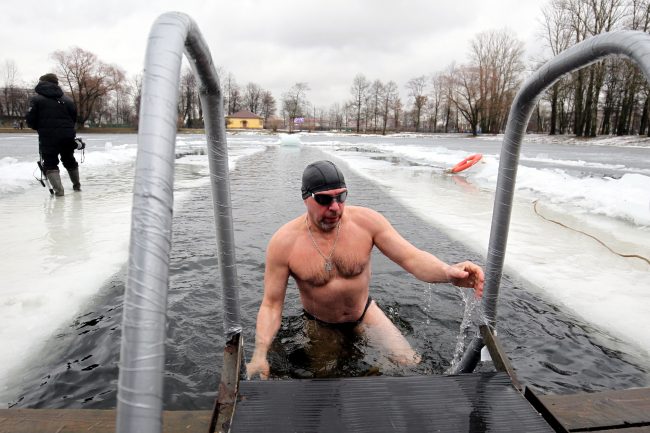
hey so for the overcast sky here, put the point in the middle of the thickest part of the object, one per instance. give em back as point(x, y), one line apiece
point(274, 43)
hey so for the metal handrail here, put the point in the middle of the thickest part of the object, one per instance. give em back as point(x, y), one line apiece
point(142, 358)
point(633, 44)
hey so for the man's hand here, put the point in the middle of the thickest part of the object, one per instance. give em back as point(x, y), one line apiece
point(467, 274)
point(258, 365)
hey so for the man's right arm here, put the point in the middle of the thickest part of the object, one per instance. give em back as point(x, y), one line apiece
point(422, 264)
point(269, 316)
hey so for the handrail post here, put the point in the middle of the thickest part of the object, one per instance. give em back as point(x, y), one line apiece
point(632, 44)
point(142, 358)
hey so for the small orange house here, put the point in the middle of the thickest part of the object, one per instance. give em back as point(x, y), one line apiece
point(244, 119)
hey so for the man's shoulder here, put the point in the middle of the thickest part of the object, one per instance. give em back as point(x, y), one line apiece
point(366, 219)
point(49, 100)
point(290, 229)
point(284, 238)
point(67, 99)
point(36, 98)
point(362, 213)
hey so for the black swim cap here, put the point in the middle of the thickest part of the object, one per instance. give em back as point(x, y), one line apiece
point(321, 176)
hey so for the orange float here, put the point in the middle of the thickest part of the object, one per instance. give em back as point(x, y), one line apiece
point(466, 163)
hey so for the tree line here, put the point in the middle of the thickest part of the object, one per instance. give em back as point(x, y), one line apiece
point(608, 97)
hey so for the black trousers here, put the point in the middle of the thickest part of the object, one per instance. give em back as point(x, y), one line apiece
point(65, 148)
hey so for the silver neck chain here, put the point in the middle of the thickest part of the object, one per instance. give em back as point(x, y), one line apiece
point(329, 266)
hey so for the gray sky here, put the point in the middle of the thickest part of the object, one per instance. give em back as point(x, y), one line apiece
point(274, 43)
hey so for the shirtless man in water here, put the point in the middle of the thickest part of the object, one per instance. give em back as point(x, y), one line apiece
point(327, 252)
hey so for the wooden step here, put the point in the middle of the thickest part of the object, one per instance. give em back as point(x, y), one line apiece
point(91, 421)
point(611, 411)
point(474, 402)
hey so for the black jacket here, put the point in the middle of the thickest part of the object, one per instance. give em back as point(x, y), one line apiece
point(53, 115)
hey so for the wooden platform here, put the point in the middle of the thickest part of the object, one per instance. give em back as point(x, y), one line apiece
point(92, 421)
point(611, 411)
point(477, 402)
point(625, 411)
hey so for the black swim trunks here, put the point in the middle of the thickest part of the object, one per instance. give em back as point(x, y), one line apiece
point(341, 325)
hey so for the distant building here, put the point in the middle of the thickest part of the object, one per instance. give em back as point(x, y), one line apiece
point(244, 119)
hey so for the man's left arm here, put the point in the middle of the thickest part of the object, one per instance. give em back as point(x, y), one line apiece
point(32, 114)
point(423, 265)
point(72, 110)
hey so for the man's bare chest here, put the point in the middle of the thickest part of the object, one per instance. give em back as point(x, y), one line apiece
point(348, 259)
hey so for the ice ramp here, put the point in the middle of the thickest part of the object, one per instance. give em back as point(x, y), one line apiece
point(477, 402)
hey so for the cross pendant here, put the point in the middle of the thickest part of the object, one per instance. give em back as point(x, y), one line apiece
point(328, 266)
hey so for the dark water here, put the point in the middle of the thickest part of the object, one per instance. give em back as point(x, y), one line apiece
point(551, 351)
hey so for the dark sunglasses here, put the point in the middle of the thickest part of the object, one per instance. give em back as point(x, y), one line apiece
point(326, 200)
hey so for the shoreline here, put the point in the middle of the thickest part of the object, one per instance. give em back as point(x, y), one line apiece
point(557, 137)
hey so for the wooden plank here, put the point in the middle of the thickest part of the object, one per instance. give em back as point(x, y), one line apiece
point(91, 421)
point(645, 429)
point(602, 410)
point(539, 406)
point(229, 385)
point(498, 355)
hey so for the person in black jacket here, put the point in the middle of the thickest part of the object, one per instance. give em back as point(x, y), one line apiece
point(54, 116)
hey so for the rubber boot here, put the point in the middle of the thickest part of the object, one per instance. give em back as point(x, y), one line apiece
point(74, 177)
point(55, 180)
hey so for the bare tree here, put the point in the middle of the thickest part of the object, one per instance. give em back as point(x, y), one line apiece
point(231, 94)
point(320, 119)
point(639, 15)
point(189, 99)
point(633, 114)
point(87, 79)
point(268, 108)
point(467, 94)
point(294, 102)
point(497, 55)
point(252, 99)
point(557, 34)
point(374, 102)
point(436, 96)
point(388, 98)
point(336, 117)
point(349, 113)
point(605, 17)
point(122, 112)
point(417, 91)
point(447, 80)
point(359, 92)
point(135, 88)
point(588, 18)
point(14, 99)
point(639, 19)
point(397, 108)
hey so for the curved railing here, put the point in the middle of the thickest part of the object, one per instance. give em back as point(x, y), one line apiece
point(142, 358)
point(140, 387)
point(633, 44)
